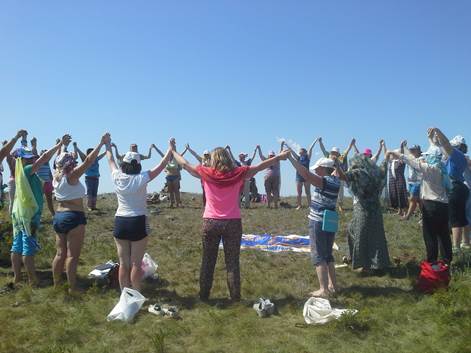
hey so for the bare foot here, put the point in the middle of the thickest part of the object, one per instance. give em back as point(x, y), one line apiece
point(320, 293)
point(299, 207)
point(332, 289)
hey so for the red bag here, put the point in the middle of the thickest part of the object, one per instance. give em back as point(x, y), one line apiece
point(433, 276)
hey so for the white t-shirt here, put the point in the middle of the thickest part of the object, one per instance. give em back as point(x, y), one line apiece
point(131, 191)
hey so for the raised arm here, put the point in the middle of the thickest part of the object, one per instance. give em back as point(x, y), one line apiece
point(184, 163)
point(228, 148)
point(184, 151)
point(119, 156)
point(267, 163)
point(347, 151)
point(295, 155)
point(254, 153)
point(149, 154)
point(443, 141)
point(196, 155)
point(321, 145)
point(161, 166)
point(260, 154)
point(378, 153)
point(34, 146)
point(79, 170)
point(309, 152)
point(46, 157)
point(79, 152)
point(355, 147)
point(158, 151)
point(305, 173)
point(110, 157)
point(6, 149)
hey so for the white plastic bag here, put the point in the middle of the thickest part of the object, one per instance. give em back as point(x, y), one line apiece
point(319, 311)
point(129, 304)
point(149, 266)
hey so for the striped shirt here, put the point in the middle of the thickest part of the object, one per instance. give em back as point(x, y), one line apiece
point(44, 172)
point(324, 198)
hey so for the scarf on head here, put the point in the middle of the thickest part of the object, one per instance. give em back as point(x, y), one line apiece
point(211, 175)
point(66, 162)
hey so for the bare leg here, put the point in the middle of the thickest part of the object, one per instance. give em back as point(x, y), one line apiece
point(332, 278)
point(124, 254)
point(467, 233)
point(307, 189)
point(138, 248)
point(299, 190)
point(16, 266)
point(59, 260)
point(323, 277)
point(50, 204)
point(74, 246)
point(30, 270)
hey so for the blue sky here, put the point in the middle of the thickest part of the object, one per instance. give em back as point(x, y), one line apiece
point(235, 72)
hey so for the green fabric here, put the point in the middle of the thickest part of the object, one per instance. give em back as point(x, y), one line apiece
point(28, 201)
point(366, 237)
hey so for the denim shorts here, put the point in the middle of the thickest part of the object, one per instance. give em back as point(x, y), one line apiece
point(131, 228)
point(321, 243)
point(64, 222)
point(414, 190)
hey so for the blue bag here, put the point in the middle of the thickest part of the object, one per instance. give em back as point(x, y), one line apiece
point(330, 221)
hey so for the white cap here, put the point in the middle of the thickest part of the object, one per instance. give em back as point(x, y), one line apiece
point(335, 149)
point(323, 162)
point(457, 141)
point(205, 152)
point(130, 156)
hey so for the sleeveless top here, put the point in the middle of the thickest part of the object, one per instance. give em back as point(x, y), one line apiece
point(66, 192)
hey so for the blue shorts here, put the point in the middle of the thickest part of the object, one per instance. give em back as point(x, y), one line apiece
point(25, 245)
point(64, 222)
point(414, 190)
point(321, 243)
point(299, 178)
point(172, 178)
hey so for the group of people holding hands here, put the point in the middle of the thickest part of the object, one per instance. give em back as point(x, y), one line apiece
point(439, 186)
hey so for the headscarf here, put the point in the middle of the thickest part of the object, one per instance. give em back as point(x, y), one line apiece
point(65, 163)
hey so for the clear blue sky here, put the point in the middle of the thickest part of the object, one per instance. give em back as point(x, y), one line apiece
point(235, 72)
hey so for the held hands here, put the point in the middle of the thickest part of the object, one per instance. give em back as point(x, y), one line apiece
point(34, 142)
point(403, 143)
point(283, 156)
point(106, 139)
point(172, 144)
point(65, 140)
point(21, 133)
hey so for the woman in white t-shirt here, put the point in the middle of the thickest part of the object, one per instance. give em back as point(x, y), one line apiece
point(131, 226)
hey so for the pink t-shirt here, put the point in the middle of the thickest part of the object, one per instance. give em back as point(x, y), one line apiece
point(222, 202)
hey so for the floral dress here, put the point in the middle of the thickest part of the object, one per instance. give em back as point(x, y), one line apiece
point(366, 237)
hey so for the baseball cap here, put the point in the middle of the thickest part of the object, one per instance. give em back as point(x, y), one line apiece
point(335, 149)
point(457, 141)
point(23, 152)
point(368, 152)
point(323, 162)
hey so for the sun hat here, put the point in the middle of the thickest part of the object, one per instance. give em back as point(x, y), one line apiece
point(323, 162)
point(23, 152)
point(335, 149)
point(130, 156)
point(457, 141)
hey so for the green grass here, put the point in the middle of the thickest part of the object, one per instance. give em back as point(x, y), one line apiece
point(392, 316)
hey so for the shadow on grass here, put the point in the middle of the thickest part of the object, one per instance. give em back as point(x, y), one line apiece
point(370, 291)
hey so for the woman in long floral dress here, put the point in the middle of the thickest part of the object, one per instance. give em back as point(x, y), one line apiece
point(366, 237)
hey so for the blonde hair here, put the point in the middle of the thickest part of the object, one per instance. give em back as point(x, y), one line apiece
point(221, 160)
point(206, 160)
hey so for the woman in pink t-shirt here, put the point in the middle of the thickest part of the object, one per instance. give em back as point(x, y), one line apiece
point(223, 183)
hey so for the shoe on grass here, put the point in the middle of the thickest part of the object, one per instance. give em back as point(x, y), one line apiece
point(264, 307)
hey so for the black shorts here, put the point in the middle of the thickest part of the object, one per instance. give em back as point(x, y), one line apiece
point(64, 222)
point(457, 204)
point(131, 228)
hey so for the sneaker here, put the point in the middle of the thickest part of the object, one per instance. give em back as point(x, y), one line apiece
point(264, 307)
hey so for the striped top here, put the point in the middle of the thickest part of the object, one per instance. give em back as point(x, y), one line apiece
point(324, 198)
point(44, 172)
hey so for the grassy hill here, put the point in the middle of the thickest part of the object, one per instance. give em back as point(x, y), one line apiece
point(392, 316)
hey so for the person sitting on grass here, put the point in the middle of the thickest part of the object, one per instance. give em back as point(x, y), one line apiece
point(69, 221)
point(326, 190)
point(222, 181)
point(92, 176)
point(27, 210)
point(131, 224)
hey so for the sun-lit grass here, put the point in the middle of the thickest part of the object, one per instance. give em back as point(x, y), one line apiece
point(392, 316)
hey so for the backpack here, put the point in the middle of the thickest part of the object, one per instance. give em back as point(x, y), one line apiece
point(433, 276)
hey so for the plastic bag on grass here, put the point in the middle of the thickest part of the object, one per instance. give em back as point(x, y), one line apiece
point(319, 311)
point(149, 267)
point(130, 302)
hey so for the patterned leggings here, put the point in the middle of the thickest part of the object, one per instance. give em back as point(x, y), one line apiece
point(230, 231)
